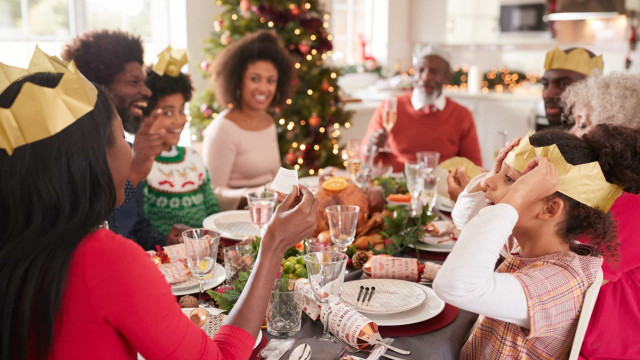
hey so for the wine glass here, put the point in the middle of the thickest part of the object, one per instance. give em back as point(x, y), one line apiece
point(201, 246)
point(353, 158)
point(261, 205)
point(342, 224)
point(326, 276)
point(413, 172)
point(369, 153)
point(429, 193)
point(429, 160)
point(389, 117)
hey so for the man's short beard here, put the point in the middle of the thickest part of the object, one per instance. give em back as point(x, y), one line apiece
point(130, 125)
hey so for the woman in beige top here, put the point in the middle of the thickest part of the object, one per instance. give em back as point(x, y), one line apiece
point(241, 144)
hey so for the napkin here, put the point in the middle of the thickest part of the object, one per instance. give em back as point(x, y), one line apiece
point(378, 267)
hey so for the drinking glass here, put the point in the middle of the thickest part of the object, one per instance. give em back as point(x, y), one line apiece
point(326, 276)
point(429, 160)
point(342, 224)
point(389, 117)
point(413, 173)
point(429, 193)
point(365, 173)
point(237, 259)
point(261, 205)
point(314, 245)
point(284, 314)
point(201, 246)
point(499, 140)
point(353, 158)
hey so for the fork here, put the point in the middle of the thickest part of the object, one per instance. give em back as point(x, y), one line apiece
point(350, 349)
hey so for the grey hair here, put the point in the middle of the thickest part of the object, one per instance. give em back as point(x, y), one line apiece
point(611, 99)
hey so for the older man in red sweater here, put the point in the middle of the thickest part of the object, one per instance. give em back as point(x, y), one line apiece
point(426, 119)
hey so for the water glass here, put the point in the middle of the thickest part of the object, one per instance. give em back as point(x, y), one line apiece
point(237, 259)
point(429, 193)
point(343, 220)
point(413, 173)
point(429, 159)
point(261, 206)
point(326, 275)
point(365, 173)
point(283, 313)
point(314, 245)
point(201, 246)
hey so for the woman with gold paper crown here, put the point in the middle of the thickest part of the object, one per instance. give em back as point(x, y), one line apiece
point(70, 291)
point(178, 187)
point(551, 189)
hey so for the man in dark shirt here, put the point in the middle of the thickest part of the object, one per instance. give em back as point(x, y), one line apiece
point(113, 59)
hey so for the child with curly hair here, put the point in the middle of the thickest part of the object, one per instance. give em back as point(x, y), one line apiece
point(531, 304)
point(178, 188)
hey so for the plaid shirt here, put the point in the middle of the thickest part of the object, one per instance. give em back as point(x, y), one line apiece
point(555, 286)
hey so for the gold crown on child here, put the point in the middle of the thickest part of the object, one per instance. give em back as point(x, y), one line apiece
point(584, 183)
point(170, 61)
point(577, 60)
point(39, 112)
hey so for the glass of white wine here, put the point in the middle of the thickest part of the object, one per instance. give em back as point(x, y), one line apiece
point(389, 117)
point(429, 194)
point(414, 174)
point(353, 158)
point(201, 246)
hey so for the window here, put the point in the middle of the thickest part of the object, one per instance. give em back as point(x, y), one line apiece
point(52, 23)
point(350, 22)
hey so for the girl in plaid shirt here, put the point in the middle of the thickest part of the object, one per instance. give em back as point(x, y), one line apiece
point(531, 304)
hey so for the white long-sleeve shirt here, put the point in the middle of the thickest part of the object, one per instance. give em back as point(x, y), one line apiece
point(467, 278)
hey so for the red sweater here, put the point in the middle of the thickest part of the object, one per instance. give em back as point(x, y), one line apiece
point(117, 303)
point(451, 132)
point(614, 329)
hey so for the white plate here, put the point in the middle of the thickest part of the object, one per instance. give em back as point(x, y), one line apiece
point(429, 309)
point(309, 181)
point(390, 297)
point(434, 248)
point(234, 224)
point(445, 204)
point(217, 278)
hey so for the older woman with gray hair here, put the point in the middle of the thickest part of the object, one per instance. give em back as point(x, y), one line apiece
point(614, 329)
point(611, 99)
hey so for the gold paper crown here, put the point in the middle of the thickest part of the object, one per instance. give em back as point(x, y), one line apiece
point(585, 183)
point(170, 61)
point(39, 112)
point(577, 60)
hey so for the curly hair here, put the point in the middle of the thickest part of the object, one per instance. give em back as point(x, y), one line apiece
point(611, 99)
point(232, 63)
point(620, 163)
point(102, 54)
point(164, 85)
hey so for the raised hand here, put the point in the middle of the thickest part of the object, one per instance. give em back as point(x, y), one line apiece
point(146, 147)
point(539, 180)
point(497, 165)
point(456, 182)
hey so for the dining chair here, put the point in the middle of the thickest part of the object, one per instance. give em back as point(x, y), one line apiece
point(585, 315)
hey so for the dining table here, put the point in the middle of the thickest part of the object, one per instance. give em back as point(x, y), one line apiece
point(441, 344)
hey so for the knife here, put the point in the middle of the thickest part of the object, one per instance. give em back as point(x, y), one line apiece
point(377, 351)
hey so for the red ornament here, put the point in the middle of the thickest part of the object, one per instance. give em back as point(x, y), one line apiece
point(314, 120)
point(304, 48)
point(291, 157)
point(295, 11)
point(325, 85)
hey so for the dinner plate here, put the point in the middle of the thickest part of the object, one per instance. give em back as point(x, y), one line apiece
point(445, 204)
point(191, 286)
point(446, 248)
point(214, 321)
point(309, 181)
point(234, 224)
point(390, 297)
point(427, 310)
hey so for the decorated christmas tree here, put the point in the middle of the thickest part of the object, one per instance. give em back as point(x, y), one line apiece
point(309, 126)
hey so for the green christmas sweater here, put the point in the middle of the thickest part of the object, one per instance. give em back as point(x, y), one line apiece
point(178, 190)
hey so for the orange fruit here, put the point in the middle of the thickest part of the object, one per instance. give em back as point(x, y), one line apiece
point(335, 184)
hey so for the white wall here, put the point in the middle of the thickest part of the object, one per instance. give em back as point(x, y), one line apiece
point(199, 24)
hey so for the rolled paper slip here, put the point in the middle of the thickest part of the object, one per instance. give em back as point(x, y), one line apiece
point(173, 253)
point(430, 271)
point(393, 268)
point(304, 297)
point(154, 257)
point(349, 325)
point(174, 272)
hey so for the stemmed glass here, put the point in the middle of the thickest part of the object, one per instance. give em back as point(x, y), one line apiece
point(429, 160)
point(353, 158)
point(429, 194)
point(342, 224)
point(369, 153)
point(413, 172)
point(201, 246)
point(389, 117)
point(326, 276)
point(261, 205)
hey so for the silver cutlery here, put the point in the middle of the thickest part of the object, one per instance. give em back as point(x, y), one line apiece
point(360, 293)
point(350, 349)
point(301, 352)
point(366, 292)
point(373, 289)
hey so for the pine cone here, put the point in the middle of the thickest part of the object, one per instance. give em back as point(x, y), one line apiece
point(359, 258)
point(188, 301)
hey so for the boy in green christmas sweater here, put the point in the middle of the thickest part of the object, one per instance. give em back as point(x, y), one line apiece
point(178, 189)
